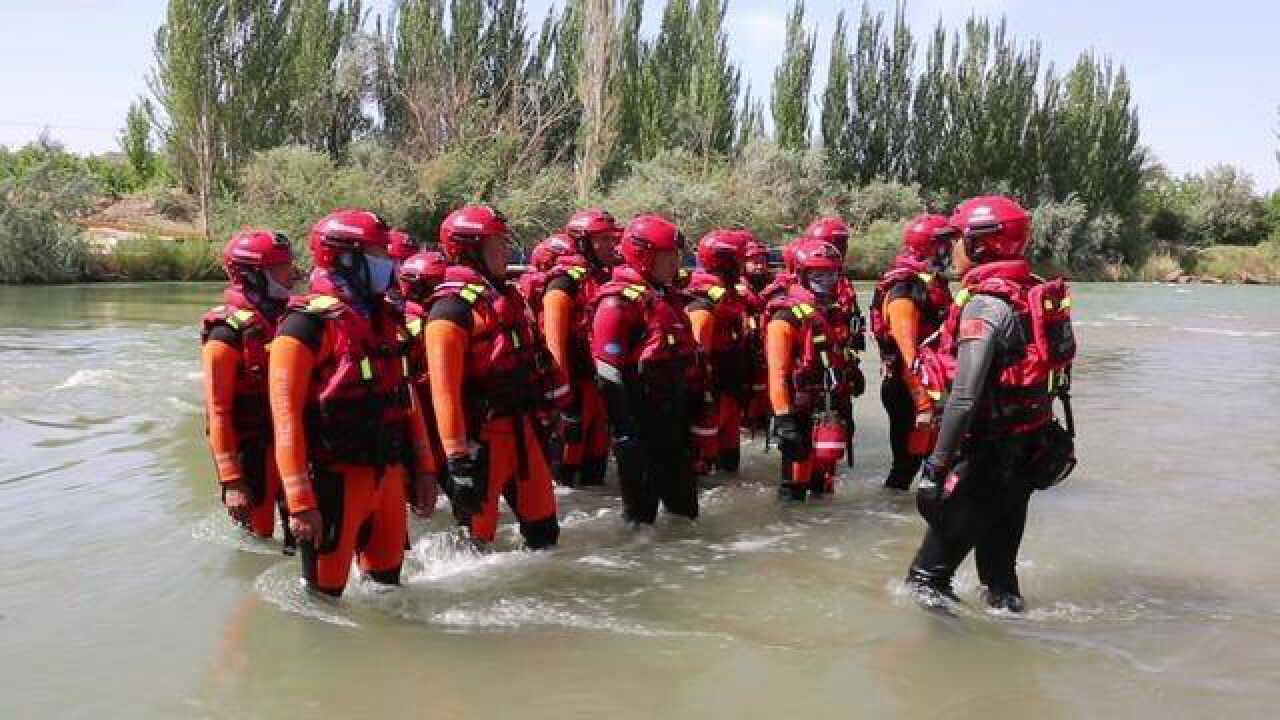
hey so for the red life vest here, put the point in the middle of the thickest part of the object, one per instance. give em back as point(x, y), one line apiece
point(929, 292)
point(532, 284)
point(728, 355)
point(415, 322)
point(507, 372)
point(664, 352)
point(251, 414)
point(584, 285)
point(1026, 381)
point(846, 323)
point(817, 375)
point(358, 405)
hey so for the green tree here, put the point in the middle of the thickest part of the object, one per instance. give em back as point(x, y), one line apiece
point(835, 105)
point(135, 141)
point(791, 83)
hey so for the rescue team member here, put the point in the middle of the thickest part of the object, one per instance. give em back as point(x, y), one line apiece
point(756, 265)
point(343, 410)
point(717, 312)
point(1011, 339)
point(646, 363)
point(236, 337)
point(848, 326)
point(488, 384)
point(532, 283)
point(418, 277)
point(910, 304)
point(570, 286)
point(758, 276)
point(806, 386)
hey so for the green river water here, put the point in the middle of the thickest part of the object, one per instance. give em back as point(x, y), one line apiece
point(1152, 577)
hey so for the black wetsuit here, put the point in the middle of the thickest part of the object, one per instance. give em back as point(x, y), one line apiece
point(988, 509)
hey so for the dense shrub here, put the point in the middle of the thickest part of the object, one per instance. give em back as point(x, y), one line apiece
point(153, 258)
point(42, 192)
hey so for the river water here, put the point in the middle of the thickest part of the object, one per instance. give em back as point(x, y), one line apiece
point(1152, 579)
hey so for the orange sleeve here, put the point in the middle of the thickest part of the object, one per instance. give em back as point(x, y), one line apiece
point(779, 347)
point(904, 325)
point(289, 380)
point(424, 457)
point(446, 358)
point(557, 325)
point(221, 363)
point(704, 327)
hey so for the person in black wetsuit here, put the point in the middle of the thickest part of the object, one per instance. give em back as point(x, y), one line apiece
point(975, 486)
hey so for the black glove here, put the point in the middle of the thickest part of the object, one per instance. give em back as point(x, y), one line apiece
point(857, 381)
point(858, 332)
point(467, 485)
point(793, 438)
point(931, 491)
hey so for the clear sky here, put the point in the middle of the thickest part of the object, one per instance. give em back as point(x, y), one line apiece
point(1206, 75)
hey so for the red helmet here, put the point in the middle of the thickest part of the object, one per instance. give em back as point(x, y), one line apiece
point(722, 251)
point(346, 231)
point(994, 228)
point(645, 235)
point(926, 235)
point(256, 248)
point(816, 255)
point(402, 245)
point(586, 224)
point(830, 229)
point(421, 272)
point(467, 228)
point(545, 253)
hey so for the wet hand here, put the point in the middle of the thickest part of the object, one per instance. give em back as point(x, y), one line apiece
point(237, 501)
point(305, 525)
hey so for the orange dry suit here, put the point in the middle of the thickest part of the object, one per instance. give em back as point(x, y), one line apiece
point(909, 305)
point(566, 324)
point(808, 385)
point(235, 339)
point(490, 382)
point(347, 431)
point(718, 312)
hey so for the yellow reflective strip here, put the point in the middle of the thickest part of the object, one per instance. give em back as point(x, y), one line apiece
point(963, 296)
point(826, 362)
point(926, 278)
point(797, 312)
point(404, 365)
point(1066, 302)
point(322, 302)
point(671, 339)
point(515, 339)
point(468, 294)
point(715, 292)
point(819, 338)
point(751, 322)
point(366, 369)
point(806, 308)
point(935, 395)
point(415, 327)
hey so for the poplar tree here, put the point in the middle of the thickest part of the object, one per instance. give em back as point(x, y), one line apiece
point(792, 82)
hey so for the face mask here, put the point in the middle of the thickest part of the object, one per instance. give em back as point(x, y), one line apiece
point(824, 284)
point(381, 271)
point(275, 290)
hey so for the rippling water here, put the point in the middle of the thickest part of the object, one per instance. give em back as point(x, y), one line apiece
point(1151, 578)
